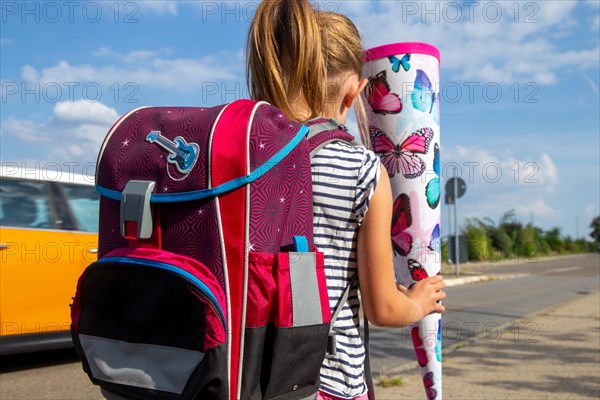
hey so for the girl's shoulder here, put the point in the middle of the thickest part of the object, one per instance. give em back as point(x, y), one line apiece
point(343, 153)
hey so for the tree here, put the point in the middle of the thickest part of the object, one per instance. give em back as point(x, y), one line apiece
point(554, 240)
point(595, 226)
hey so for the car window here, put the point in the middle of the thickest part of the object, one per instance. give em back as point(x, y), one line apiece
point(83, 202)
point(24, 204)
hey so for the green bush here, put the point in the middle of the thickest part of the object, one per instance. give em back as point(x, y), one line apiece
point(554, 240)
point(478, 243)
point(487, 241)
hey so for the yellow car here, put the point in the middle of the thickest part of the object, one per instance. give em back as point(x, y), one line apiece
point(48, 235)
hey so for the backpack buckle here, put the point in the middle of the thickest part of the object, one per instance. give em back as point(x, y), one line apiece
point(331, 345)
point(136, 213)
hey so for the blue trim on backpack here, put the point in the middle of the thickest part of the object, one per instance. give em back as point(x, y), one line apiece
point(222, 188)
point(171, 268)
point(301, 244)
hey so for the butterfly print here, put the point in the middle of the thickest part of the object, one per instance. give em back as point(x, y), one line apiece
point(438, 344)
point(424, 98)
point(428, 383)
point(401, 220)
point(403, 157)
point(432, 190)
point(379, 97)
point(428, 379)
point(418, 345)
point(417, 272)
point(431, 393)
point(397, 62)
point(435, 243)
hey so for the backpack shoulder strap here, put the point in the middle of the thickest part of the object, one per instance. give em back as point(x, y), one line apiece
point(324, 131)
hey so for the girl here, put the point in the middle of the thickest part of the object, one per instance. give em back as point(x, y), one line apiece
point(308, 63)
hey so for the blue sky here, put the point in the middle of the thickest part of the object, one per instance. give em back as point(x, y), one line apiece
point(519, 91)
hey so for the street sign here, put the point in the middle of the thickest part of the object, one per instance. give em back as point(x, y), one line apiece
point(455, 187)
point(463, 253)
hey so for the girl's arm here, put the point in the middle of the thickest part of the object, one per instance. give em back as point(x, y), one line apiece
point(383, 303)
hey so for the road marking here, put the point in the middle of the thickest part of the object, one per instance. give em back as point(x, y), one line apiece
point(563, 269)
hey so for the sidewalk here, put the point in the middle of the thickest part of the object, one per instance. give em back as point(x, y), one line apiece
point(554, 355)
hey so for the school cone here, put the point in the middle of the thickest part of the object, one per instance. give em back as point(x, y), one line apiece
point(403, 115)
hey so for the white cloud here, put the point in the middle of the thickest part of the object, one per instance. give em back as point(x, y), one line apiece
point(24, 130)
point(547, 171)
point(84, 111)
point(497, 181)
point(591, 211)
point(74, 132)
point(143, 68)
point(131, 57)
point(522, 45)
point(500, 169)
point(593, 3)
point(595, 22)
point(537, 207)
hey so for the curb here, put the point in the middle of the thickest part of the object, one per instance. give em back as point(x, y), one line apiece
point(479, 278)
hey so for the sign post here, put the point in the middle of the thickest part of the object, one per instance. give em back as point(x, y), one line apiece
point(455, 188)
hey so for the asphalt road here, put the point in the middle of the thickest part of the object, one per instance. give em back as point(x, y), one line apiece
point(475, 312)
point(485, 310)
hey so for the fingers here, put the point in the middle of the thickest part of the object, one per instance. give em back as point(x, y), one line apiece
point(439, 296)
point(437, 283)
point(402, 288)
point(436, 280)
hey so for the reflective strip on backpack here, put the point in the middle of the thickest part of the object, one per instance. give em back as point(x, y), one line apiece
point(142, 365)
point(306, 300)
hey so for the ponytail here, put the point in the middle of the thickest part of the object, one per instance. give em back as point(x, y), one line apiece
point(361, 120)
point(286, 64)
point(298, 56)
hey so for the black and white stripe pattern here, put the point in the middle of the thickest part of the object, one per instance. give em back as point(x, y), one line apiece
point(344, 179)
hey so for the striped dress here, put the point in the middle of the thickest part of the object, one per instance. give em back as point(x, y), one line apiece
point(344, 180)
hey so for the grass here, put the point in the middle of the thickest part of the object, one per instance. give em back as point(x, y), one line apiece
point(389, 381)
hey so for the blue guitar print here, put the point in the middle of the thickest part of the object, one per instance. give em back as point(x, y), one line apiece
point(182, 154)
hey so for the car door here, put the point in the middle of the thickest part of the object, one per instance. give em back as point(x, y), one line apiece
point(42, 254)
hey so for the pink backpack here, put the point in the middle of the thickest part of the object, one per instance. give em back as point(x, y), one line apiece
point(207, 284)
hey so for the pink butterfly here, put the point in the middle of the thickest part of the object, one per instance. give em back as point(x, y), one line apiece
point(428, 383)
point(428, 379)
point(404, 157)
point(422, 358)
point(431, 393)
point(379, 97)
point(401, 219)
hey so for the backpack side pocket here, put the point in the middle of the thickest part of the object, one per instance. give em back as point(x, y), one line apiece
point(296, 340)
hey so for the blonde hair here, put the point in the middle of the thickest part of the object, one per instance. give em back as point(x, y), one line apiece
point(299, 54)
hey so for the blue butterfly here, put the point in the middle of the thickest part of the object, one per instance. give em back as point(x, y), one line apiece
point(432, 190)
point(438, 343)
point(396, 62)
point(424, 97)
point(435, 243)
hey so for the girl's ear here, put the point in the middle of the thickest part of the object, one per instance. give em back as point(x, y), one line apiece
point(361, 85)
point(354, 92)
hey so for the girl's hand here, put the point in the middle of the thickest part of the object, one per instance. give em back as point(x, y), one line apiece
point(426, 296)
point(385, 303)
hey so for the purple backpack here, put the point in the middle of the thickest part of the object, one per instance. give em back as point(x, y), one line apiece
point(208, 284)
